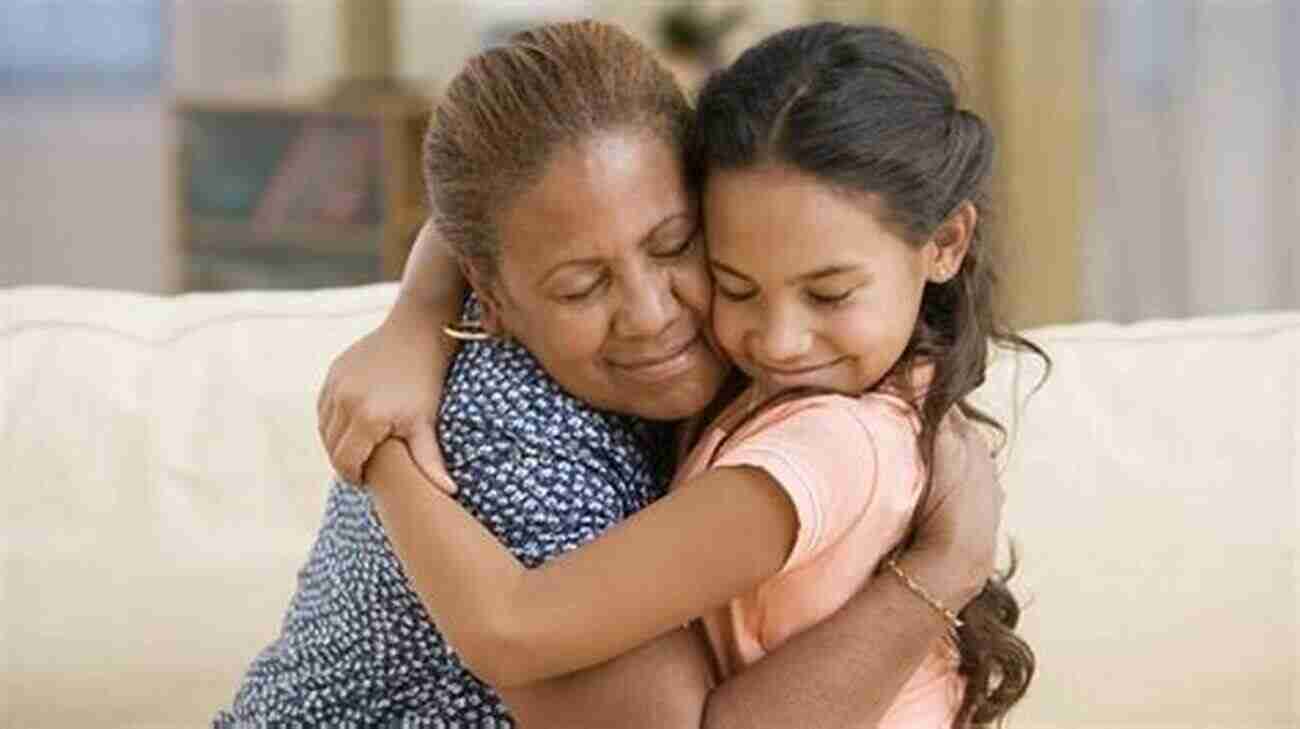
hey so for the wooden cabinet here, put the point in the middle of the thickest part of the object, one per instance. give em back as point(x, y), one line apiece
point(297, 194)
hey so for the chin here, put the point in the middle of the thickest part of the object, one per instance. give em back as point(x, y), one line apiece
point(679, 400)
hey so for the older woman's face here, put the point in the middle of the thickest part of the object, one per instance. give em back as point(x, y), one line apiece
point(602, 277)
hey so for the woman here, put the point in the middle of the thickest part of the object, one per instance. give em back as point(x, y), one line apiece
point(556, 170)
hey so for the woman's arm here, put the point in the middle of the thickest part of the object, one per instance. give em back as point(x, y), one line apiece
point(842, 672)
point(389, 383)
point(846, 671)
point(513, 626)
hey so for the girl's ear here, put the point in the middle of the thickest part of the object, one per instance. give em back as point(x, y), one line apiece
point(951, 242)
point(489, 302)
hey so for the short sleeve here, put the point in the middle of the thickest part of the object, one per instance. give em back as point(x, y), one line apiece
point(839, 460)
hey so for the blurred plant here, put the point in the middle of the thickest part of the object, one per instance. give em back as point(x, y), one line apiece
point(686, 30)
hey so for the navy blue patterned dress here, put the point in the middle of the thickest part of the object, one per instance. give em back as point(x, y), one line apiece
point(545, 472)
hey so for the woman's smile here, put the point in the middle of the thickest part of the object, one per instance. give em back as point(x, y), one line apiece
point(656, 368)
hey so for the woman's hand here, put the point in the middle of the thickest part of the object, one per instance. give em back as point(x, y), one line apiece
point(388, 384)
point(955, 547)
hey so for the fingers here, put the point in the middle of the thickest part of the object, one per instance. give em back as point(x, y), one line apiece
point(351, 452)
point(949, 472)
point(350, 437)
point(428, 456)
point(325, 405)
point(332, 426)
point(324, 399)
point(963, 510)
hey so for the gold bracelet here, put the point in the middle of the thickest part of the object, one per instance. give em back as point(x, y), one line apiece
point(922, 593)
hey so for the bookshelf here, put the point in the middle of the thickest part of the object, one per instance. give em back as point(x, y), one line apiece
point(275, 192)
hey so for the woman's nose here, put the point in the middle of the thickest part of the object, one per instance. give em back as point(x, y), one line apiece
point(649, 306)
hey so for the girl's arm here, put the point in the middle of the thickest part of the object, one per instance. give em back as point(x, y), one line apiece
point(389, 382)
point(709, 541)
point(842, 672)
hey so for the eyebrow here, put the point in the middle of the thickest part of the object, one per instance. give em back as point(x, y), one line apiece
point(825, 271)
point(553, 270)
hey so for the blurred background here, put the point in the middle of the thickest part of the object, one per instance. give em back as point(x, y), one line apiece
point(1148, 159)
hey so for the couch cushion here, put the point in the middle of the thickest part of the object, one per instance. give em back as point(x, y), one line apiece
point(1153, 490)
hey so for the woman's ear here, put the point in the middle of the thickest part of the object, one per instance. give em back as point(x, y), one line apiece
point(951, 242)
point(489, 301)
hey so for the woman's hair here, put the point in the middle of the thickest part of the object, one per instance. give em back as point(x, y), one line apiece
point(511, 107)
point(870, 112)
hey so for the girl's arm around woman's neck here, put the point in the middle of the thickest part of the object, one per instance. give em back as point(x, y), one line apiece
point(843, 672)
point(685, 555)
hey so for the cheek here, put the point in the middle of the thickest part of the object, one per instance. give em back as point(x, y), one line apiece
point(694, 287)
point(728, 325)
point(568, 344)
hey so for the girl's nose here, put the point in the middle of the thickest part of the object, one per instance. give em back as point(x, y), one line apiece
point(782, 340)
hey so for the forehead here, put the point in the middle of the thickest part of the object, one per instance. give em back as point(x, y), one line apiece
point(595, 199)
point(771, 216)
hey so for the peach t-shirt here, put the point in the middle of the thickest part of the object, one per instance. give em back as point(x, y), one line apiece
point(852, 469)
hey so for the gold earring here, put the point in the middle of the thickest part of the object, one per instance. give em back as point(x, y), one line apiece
point(466, 330)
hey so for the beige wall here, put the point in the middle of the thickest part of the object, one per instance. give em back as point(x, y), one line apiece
point(1027, 68)
point(449, 30)
point(85, 202)
point(90, 204)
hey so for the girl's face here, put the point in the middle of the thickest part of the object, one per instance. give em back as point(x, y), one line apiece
point(810, 288)
point(602, 278)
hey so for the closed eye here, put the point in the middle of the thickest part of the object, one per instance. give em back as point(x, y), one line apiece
point(579, 296)
point(681, 248)
point(830, 299)
point(733, 295)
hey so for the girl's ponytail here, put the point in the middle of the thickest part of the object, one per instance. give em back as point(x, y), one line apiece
point(996, 662)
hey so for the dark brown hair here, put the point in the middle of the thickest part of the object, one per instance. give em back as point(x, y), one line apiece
point(511, 107)
point(872, 113)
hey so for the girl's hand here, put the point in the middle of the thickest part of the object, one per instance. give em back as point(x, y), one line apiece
point(388, 384)
point(955, 547)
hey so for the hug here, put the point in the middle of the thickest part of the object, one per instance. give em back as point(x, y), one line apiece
point(669, 423)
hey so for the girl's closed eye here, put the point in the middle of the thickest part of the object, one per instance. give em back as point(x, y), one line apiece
point(829, 298)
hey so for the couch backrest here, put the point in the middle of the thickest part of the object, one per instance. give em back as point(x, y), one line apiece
point(166, 480)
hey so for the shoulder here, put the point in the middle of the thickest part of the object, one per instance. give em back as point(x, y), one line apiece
point(830, 418)
point(499, 388)
point(833, 447)
point(534, 458)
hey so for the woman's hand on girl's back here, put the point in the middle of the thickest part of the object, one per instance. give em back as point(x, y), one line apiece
point(388, 384)
point(955, 548)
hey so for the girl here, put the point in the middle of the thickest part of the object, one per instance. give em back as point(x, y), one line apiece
point(856, 300)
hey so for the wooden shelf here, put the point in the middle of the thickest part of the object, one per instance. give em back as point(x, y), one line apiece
point(266, 180)
point(274, 98)
point(324, 238)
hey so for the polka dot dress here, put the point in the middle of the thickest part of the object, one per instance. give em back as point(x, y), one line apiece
point(543, 471)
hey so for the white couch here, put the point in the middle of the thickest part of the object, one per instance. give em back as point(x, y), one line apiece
point(165, 480)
